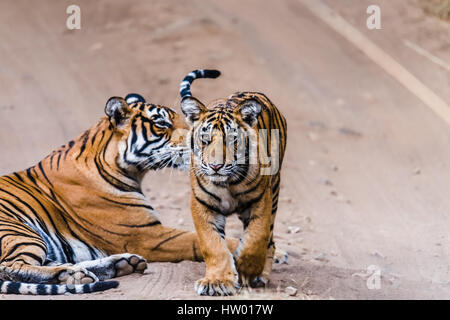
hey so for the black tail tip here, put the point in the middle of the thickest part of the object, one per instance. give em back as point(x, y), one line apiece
point(212, 73)
point(104, 285)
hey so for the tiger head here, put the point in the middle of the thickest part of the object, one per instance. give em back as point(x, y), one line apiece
point(150, 136)
point(223, 137)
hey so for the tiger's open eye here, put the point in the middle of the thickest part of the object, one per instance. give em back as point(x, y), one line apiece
point(205, 136)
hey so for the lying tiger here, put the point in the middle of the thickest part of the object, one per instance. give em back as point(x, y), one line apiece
point(79, 215)
point(231, 140)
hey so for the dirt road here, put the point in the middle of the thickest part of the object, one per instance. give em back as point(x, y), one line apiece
point(366, 176)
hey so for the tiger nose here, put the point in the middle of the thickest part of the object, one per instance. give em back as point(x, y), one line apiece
point(215, 167)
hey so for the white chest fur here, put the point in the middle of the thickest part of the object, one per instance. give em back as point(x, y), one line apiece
point(227, 203)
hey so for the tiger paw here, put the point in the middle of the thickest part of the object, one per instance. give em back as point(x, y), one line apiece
point(74, 275)
point(249, 268)
point(215, 287)
point(128, 263)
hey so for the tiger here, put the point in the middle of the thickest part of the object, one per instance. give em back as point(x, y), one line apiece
point(79, 217)
point(226, 178)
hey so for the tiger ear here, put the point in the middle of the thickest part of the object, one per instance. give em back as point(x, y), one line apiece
point(250, 111)
point(117, 110)
point(192, 109)
point(134, 98)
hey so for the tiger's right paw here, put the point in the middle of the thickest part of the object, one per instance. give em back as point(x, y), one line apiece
point(216, 287)
point(127, 263)
point(75, 275)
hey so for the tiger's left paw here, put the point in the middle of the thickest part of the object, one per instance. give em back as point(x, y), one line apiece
point(216, 287)
point(249, 268)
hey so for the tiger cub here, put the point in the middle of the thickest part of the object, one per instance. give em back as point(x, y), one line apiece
point(232, 141)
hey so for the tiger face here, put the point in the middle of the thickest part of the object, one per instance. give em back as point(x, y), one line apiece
point(223, 138)
point(150, 136)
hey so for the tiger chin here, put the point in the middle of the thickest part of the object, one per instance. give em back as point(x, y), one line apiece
point(229, 175)
point(79, 216)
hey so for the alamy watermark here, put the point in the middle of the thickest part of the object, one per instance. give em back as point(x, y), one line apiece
point(74, 19)
point(374, 19)
point(372, 277)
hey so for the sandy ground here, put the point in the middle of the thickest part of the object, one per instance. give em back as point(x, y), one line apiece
point(366, 174)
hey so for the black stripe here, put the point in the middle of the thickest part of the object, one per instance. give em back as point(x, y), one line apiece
point(109, 178)
point(13, 288)
point(196, 258)
point(85, 137)
point(43, 173)
point(51, 161)
point(37, 217)
point(8, 212)
point(116, 183)
point(16, 246)
point(150, 224)
point(59, 159)
point(31, 177)
point(71, 144)
point(168, 239)
point(54, 289)
point(212, 208)
point(253, 201)
point(219, 230)
point(206, 191)
point(41, 289)
point(129, 204)
point(18, 176)
point(251, 189)
point(28, 254)
point(19, 234)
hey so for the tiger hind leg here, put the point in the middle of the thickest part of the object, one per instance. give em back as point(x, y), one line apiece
point(23, 255)
point(114, 266)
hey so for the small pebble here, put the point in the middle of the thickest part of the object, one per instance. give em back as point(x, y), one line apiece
point(316, 124)
point(325, 181)
point(291, 291)
point(313, 136)
point(285, 199)
point(321, 257)
point(377, 254)
point(350, 132)
point(292, 229)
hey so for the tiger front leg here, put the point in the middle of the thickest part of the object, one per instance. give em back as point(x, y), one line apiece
point(221, 276)
point(252, 256)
